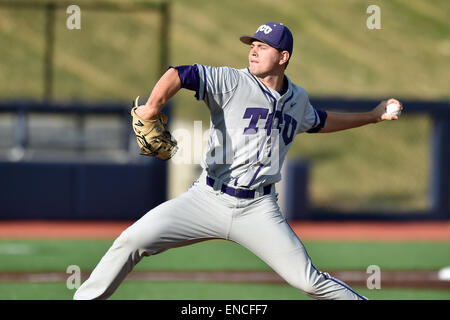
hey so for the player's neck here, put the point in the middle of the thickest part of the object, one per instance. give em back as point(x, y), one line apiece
point(273, 81)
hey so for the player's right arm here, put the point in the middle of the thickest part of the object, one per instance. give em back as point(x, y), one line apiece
point(166, 87)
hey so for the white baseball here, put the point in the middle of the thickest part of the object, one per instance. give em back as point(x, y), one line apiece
point(393, 109)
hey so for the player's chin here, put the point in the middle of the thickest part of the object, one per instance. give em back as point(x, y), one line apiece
point(253, 69)
point(257, 71)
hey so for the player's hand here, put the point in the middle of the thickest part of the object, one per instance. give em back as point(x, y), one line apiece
point(380, 110)
point(145, 113)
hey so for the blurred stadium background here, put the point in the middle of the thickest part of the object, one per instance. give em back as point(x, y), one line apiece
point(66, 94)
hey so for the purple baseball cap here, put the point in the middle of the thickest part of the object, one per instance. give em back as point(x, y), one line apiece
point(274, 34)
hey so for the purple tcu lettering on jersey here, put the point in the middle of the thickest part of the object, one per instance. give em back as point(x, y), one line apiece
point(255, 114)
point(262, 113)
point(290, 122)
point(269, 123)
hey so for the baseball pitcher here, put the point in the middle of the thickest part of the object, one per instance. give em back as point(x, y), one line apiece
point(255, 114)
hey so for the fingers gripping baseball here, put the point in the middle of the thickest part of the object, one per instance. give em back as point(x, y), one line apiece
point(388, 110)
point(152, 136)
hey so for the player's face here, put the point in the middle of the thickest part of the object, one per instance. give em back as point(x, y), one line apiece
point(263, 59)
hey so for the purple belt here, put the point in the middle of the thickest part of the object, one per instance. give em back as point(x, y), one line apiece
point(238, 193)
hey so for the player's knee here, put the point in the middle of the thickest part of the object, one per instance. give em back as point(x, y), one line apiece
point(307, 287)
point(126, 240)
point(128, 244)
point(142, 243)
point(304, 284)
point(311, 290)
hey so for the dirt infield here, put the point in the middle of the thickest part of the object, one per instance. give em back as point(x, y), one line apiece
point(306, 230)
point(399, 279)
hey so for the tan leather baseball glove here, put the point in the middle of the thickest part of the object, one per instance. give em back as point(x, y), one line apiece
point(152, 136)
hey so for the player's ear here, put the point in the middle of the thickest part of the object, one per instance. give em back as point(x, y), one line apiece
point(284, 57)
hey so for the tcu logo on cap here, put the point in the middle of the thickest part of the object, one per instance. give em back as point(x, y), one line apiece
point(265, 28)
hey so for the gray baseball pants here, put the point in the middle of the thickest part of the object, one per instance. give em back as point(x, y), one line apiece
point(203, 213)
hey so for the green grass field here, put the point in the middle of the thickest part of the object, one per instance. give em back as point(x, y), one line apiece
point(51, 255)
point(133, 290)
point(114, 57)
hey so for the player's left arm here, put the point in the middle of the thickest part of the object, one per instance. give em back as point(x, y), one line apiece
point(342, 121)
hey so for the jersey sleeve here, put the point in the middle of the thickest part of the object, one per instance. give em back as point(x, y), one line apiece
point(216, 85)
point(189, 77)
point(313, 119)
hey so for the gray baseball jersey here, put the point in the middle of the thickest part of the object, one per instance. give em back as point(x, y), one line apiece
point(252, 126)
